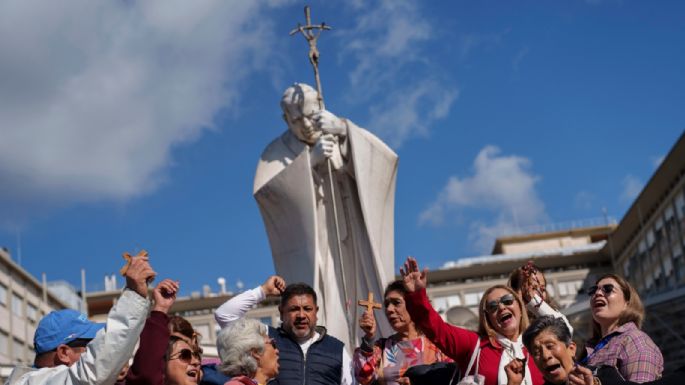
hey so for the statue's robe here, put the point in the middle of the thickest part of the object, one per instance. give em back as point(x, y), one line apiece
point(295, 203)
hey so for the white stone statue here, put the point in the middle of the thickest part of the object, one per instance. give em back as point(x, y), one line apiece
point(293, 190)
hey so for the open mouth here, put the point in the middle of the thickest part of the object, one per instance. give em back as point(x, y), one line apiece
point(301, 325)
point(505, 318)
point(193, 374)
point(598, 304)
point(553, 369)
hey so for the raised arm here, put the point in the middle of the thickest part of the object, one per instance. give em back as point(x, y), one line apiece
point(454, 341)
point(113, 345)
point(149, 362)
point(236, 307)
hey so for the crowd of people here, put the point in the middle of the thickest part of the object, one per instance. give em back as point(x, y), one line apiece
point(522, 339)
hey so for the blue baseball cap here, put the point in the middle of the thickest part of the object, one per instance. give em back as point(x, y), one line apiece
point(61, 327)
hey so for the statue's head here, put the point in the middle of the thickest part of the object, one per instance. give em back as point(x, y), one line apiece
point(298, 103)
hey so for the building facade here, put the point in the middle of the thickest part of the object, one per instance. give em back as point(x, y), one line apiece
point(647, 248)
point(23, 302)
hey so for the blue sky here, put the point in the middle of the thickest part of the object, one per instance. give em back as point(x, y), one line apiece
point(129, 125)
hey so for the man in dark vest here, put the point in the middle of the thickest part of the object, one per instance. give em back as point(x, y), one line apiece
point(307, 355)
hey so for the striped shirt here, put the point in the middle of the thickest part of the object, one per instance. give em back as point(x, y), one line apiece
point(632, 352)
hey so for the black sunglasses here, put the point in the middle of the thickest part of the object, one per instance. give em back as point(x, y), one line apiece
point(185, 355)
point(506, 300)
point(606, 289)
point(272, 342)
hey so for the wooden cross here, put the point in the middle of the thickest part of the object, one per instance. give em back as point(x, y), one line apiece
point(129, 259)
point(308, 32)
point(369, 304)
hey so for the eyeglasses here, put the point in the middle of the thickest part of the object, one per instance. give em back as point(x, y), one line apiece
point(271, 342)
point(506, 300)
point(606, 289)
point(185, 355)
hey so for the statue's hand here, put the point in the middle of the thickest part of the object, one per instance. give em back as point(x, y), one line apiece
point(326, 147)
point(328, 123)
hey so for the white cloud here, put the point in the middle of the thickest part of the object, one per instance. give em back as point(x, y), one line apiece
point(472, 41)
point(501, 187)
point(410, 112)
point(391, 74)
point(95, 95)
point(632, 186)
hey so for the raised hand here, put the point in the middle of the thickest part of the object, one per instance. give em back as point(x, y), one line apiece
point(528, 290)
point(273, 285)
point(580, 375)
point(367, 322)
point(165, 295)
point(328, 123)
point(515, 370)
point(139, 274)
point(413, 278)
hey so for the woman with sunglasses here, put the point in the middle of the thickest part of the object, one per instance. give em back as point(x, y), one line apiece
point(531, 285)
point(617, 340)
point(497, 348)
point(247, 353)
point(168, 353)
point(386, 360)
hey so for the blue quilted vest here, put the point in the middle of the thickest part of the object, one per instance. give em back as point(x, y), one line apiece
point(322, 366)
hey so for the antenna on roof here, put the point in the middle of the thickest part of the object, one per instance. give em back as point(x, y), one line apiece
point(222, 284)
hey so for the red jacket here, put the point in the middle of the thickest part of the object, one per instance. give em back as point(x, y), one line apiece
point(458, 343)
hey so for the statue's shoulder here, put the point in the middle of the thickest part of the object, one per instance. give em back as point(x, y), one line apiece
point(276, 156)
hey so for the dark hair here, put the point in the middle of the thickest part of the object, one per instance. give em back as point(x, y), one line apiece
point(299, 288)
point(556, 326)
point(397, 286)
point(516, 278)
point(174, 339)
point(182, 326)
point(634, 312)
point(516, 275)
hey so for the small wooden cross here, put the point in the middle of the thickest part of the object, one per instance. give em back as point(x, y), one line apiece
point(369, 304)
point(128, 259)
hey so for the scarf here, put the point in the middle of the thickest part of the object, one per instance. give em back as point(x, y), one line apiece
point(511, 349)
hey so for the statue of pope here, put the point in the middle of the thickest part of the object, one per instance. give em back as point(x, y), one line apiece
point(293, 190)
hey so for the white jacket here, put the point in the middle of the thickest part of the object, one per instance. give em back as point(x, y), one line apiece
point(105, 355)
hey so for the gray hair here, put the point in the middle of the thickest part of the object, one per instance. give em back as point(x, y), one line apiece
point(235, 344)
point(556, 326)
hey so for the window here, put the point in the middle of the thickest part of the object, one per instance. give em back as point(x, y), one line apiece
point(4, 343)
point(18, 351)
point(550, 289)
point(472, 299)
point(680, 206)
point(32, 312)
point(203, 330)
point(445, 303)
point(17, 305)
point(3, 294)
